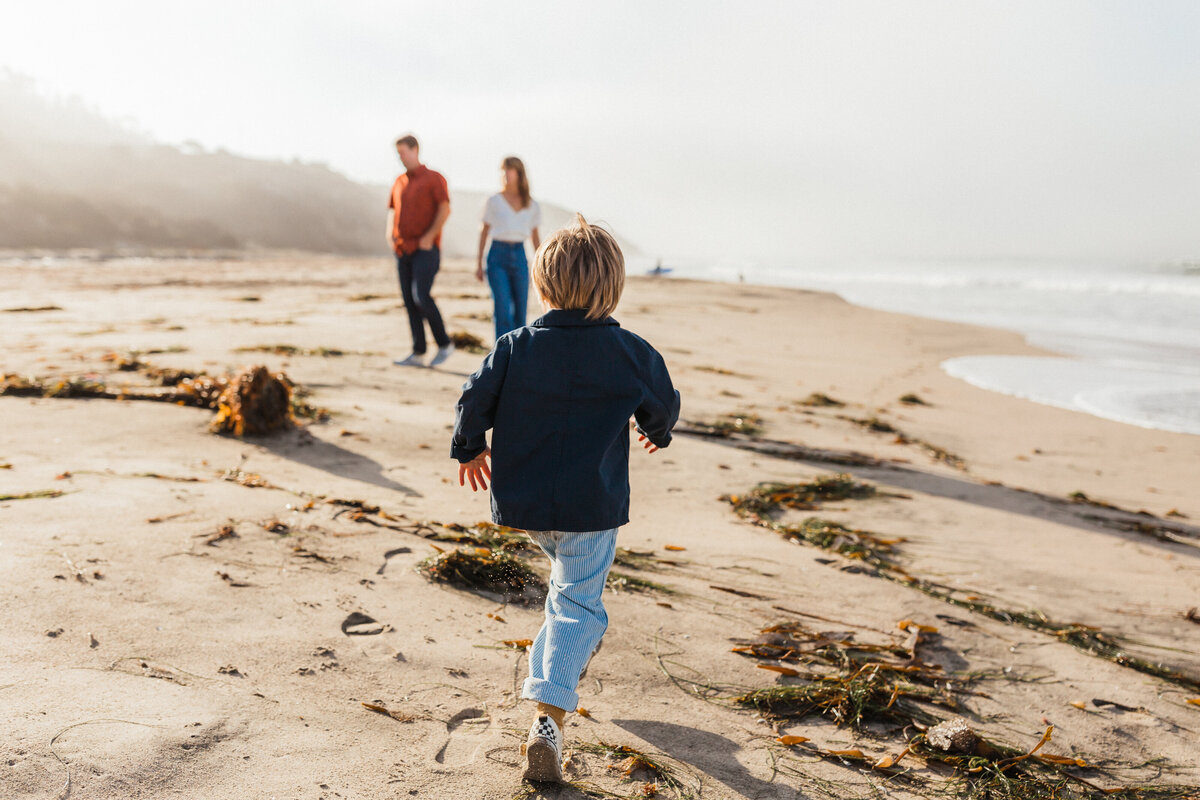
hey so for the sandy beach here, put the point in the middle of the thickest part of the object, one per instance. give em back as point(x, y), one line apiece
point(176, 629)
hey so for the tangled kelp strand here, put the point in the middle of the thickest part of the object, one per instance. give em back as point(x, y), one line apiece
point(855, 683)
point(469, 342)
point(821, 400)
point(247, 403)
point(766, 499)
point(485, 570)
point(44, 493)
point(724, 426)
point(483, 534)
point(637, 765)
point(295, 350)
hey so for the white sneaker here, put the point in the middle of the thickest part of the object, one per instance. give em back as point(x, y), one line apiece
point(442, 354)
point(543, 752)
point(413, 360)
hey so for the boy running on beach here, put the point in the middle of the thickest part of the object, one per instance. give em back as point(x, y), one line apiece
point(558, 395)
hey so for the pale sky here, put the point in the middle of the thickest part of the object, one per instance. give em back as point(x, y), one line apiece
point(732, 131)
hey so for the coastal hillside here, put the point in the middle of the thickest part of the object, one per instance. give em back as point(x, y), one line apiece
point(72, 179)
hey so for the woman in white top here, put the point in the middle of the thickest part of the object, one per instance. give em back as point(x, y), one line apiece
point(509, 217)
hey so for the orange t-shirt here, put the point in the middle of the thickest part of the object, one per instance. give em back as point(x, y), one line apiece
point(415, 198)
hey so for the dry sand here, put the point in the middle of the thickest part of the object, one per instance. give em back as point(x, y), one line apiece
point(135, 664)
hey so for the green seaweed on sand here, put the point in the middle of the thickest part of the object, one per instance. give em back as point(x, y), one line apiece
point(766, 501)
point(742, 422)
point(636, 765)
point(469, 342)
point(250, 402)
point(848, 542)
point(911, 399)
point(1082, 499)
point(988, 770)
point(821, 400)
point(32, 495)
point(624, 582)
point(873, 424)
point(876, 425)
point(853, 683)
point(485, 570)
point(641, 560)
point(869, 695)
point(294, 350)
point(482, 534)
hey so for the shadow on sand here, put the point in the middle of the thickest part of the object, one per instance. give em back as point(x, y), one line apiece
point(302, 447)
point(710, 753)
point(1129, 525)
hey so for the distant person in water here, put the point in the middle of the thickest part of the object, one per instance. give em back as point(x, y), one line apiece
point(510, 217)
point(418, 208)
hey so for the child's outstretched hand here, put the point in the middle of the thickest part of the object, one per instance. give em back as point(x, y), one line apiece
point(477, 471)
point(650, 446)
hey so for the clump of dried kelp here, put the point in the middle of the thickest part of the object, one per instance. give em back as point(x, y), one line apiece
point(469, 342)
point(485, 570)
point(821, 400)
point(891, 684)
point(853, 683)
point(765, 500)
point(255, 403)
point(911, 399)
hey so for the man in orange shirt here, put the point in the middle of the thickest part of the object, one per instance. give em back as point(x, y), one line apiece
point(418, 208)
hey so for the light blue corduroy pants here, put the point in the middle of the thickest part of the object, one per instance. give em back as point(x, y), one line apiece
point(575, 617)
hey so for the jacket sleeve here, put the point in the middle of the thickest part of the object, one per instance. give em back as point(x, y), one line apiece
point(476, 409)
point(659, 411)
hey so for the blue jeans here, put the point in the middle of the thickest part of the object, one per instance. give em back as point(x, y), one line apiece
point(508, 275)
point(416, 271)
point(575, 616)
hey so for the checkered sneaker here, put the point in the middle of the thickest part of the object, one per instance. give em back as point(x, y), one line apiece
point(543, 752)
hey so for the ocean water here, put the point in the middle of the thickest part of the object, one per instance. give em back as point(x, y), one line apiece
point(1128, 336)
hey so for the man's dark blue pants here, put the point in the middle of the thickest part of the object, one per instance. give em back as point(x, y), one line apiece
point(417, 271)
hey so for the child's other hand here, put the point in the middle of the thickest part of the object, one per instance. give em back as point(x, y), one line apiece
point(477, 471)
point(650, 446)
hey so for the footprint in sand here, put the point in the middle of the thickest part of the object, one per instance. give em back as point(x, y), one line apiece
point(466, 739)
point(394, 552)
point(359, 624)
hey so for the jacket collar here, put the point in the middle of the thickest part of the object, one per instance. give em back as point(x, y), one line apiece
point(570, 318)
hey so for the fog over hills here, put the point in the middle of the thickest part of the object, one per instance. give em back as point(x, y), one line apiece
point(71, 178)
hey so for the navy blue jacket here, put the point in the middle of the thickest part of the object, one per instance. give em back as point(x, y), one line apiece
point(559, 394)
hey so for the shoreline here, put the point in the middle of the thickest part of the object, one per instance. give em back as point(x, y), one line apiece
point(1134, 396)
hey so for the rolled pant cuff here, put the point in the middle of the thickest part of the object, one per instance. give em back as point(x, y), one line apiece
point(544, 691)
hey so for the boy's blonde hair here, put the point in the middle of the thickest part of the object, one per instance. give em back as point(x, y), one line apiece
point(580, 267)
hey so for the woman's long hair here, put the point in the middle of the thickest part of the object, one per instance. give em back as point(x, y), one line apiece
point(512, 162)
